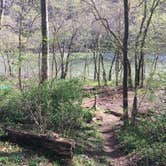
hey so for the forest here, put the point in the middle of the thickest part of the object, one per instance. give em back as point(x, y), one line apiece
point(82, 82)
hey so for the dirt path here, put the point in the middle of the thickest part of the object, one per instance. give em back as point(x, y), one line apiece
point(111, 146)
point(110, 102)
point(109, 123)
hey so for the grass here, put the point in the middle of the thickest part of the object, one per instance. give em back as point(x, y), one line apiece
point(89, 140)
point(146, 140)
point(88, 151)
point(14, 155)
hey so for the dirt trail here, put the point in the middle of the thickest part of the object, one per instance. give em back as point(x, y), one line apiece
point(109, 122)
point(111, 146)
point(111, 104)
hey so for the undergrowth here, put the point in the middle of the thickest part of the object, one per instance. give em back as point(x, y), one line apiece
point(147, 140)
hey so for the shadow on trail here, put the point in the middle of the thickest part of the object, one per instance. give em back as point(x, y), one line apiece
point(30, 151)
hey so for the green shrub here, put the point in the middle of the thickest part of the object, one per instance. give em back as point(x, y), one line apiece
point(147, 140)
point(9, 106)
point(4, 160)
point(53, 105)
point(34, 163)
point(87, 115)
point(153, 154)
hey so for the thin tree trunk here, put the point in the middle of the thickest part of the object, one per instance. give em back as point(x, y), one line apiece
point(125, 62)
point(95, 66)
point(130, 84)
point(2, 2)
point(117, 69)
point(9, 65)
point(39, 65)
point(20, 55)
point(67, 65)
point(54, 65)
point(70, 66)
point(62, 54)
point(142, 73)
point(62, 66)
point(103, 68)
point(69, 53)
point(54, 61)
point(85, 69)
point(4, 62)
point(45, 40)
point(98, 71)
point(110, 71)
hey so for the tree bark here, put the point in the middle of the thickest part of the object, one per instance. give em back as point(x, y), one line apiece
point(2, 2)
point(85, 69)
point(103, 68)
point(98, 71)
point(61, 148)
point(117, 69)
point(45, 40)
point(20, 55)
point(95, 66)
point(110, 71)
point(9, 65)
point(125, 61)
point(4, 62)
point(54, 61)
point(130, 84)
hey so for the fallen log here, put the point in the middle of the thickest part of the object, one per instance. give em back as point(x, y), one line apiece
point(59, 147)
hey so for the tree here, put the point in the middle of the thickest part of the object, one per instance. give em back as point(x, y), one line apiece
point(139, 52)
point(125, 60)
point(18, 26)
point(1, 11)
point(45, 40)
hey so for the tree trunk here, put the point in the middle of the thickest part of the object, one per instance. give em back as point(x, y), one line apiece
point(125, 62)
point(4, 62)
point(130, 84)
point(142, 72)
point(98, 71)
point(61, 148)
point(45, 40)
point(85, 69)
point(145, 33)
point(95, 66)
point(54, 61)
point(9, 65)
point(39, 64)
point(62, 66)
point(117, 69)
point(2, 2)
point(67, 65)
point(139, 54)
point(110, 71)
point(103, 68)
point(20, 55)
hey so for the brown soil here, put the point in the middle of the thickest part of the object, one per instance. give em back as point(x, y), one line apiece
point(110, 102)
point(111, 145)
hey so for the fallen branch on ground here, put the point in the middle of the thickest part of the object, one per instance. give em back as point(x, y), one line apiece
point(58, 146)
